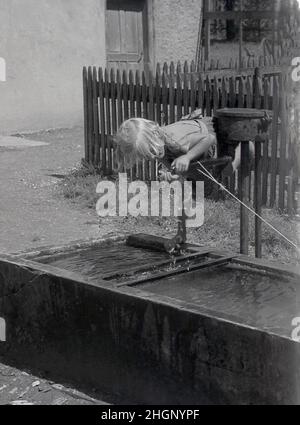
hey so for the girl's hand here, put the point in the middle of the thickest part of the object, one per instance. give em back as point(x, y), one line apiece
point(167, 176)
point(181, 164)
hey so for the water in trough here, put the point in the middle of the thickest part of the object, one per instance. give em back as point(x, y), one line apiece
point(265, 300)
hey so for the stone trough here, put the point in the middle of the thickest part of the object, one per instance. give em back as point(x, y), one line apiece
point(208, 328)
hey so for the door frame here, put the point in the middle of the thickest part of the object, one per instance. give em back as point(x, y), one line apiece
point(148, 35)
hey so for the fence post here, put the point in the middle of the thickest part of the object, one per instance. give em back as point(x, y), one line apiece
point(283, 137)
point(290, 195)
point(274, 145)
point(265, 159)
point(244, 197)
point(258, 199)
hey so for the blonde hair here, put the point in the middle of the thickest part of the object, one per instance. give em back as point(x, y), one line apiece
point(138, 139)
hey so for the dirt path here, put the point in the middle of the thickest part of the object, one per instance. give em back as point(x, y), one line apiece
point(30, 213)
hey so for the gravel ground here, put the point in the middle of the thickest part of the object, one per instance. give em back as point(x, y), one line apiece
point(21, 388)
point(30, 214)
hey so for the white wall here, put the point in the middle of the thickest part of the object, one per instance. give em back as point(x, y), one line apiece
point(45, 44)
point(176, 26)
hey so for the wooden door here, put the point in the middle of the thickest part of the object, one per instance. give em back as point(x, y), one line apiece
point(126, 34)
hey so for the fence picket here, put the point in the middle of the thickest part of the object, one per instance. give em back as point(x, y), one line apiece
point(113, 92)
point(186, 100)
point(102, 128)
point(215, 94)
point(232, 93)
point(241, 93)
point(165, 68)
point(200, 95)
point(96, 153)
point(144, 96)
point(138, 91)
point(207, 97)
point(125, 95)
point(224, 102)
point(257, 92)
point(249, 91)
point(185, 67)
point(193, 93)
point(108, 121)
point(172, 93)
point(85, 113)
point(193, 67)
point(151, 98)
point(165, 99)
point(119, 99)
point(158, 94)
point(90, 114)
point(132, 111)
point(179, 95)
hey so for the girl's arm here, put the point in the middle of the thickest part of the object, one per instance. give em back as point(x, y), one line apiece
point(198, 147)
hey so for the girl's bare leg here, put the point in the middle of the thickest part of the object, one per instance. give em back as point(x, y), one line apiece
point(237, 157)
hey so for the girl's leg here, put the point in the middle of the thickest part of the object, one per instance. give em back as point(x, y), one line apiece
point(236, 162)
point(237, 157)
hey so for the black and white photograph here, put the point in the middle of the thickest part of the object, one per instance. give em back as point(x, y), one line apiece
point(149, 206)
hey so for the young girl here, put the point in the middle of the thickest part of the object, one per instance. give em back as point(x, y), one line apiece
point(175, 145)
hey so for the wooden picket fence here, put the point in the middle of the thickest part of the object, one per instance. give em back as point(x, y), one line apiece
point(110, 97)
